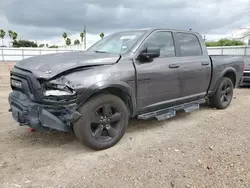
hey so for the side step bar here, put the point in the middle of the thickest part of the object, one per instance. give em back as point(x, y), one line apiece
point(167, 113)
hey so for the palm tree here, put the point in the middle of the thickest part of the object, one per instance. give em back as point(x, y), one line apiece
point(10, 33)
point(14, 36)
point(64, 35)
point(2, 35)
point(76, 42)
point(68, 41)
point(102, 35)
point(82, 35)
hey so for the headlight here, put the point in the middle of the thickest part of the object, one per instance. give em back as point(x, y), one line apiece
point(58, 93)
point(57, 89)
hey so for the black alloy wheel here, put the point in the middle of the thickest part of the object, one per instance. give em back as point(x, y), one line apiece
point(226, 92)
point(223, 95)
point(104, 122)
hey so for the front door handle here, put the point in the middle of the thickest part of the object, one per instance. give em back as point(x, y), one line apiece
point(205, 63)
point(172, 66)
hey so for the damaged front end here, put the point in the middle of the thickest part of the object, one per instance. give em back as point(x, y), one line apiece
point(59, 94)
point(55, 108)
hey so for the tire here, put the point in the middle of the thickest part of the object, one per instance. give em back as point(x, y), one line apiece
point(105, 109)
point(223, 95)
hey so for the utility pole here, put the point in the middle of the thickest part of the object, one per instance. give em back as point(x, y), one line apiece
point(85, 35)
point(204, 37)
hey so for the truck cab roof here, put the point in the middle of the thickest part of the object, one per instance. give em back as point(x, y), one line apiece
point(160, 29)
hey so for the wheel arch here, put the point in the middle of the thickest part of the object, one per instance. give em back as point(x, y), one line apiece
point(118, 88)
point(228, 72)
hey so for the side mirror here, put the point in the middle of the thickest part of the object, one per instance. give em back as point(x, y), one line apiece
point(149, 53)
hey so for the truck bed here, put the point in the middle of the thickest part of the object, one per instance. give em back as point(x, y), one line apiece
point(222, 63)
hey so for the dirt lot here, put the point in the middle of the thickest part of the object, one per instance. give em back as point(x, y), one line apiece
point(207, 148)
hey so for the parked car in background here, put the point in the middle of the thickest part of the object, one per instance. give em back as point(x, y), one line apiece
point(246, 74)
point(138, 73)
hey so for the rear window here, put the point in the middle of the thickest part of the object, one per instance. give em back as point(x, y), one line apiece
point(189, 44)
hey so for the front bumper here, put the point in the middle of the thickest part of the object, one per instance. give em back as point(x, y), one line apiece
point(41, 117)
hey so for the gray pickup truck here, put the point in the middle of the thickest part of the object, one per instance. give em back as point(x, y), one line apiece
point(138, 73)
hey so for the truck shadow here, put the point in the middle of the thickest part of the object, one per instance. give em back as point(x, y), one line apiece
point(243, 87)
point(136, 125)
point(24, 138)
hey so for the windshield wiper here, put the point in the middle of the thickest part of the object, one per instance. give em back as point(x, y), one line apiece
point(99, 51)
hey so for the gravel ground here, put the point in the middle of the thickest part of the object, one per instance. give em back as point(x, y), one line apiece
point(207, 148)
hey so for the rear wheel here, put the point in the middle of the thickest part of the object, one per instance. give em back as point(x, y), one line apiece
point(223, 95)
point(103, 122)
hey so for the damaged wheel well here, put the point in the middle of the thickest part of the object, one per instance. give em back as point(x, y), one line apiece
point(119, 93)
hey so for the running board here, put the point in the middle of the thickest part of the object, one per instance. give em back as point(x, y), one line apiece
point(168, 113)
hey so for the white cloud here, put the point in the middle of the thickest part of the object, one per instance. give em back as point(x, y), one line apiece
point(46, 20)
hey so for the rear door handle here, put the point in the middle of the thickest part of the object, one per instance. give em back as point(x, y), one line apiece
point(205, 63)
point(172, 66)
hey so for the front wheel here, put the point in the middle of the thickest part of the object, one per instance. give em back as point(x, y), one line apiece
point(223, 95)
point(103, 122)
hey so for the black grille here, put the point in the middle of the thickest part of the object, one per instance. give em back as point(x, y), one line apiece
point(24, 81)
point(30, 85)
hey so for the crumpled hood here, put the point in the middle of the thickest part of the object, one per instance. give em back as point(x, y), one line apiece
point(48, 66)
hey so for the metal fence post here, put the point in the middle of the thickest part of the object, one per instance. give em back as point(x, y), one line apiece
point(245, 50)
point(2, 55)
point(22, 54)
point(222, 50)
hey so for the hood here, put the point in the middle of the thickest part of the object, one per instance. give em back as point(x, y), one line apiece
point(48, 66)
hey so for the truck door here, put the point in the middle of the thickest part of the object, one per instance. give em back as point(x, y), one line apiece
point(158, 80)
point(195, 66)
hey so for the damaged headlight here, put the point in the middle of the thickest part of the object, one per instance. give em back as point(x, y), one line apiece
point(58, 93)
point(53, 89)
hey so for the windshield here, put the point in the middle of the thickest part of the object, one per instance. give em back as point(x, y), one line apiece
point(117, 43)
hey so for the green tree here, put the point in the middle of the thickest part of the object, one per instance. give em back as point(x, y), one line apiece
point(41, 45)
point(76, 42)
point(24, 43)
point(2, 35)
point(53, 46)
point(102, 35)
point(225, 42)
point(68, 41)
point(47, 45)
point(64, 35)
point(82, 35)
point(10, 33)
point(14, 36)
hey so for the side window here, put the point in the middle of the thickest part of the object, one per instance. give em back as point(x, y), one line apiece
point(162, 40)
point(189, 44)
